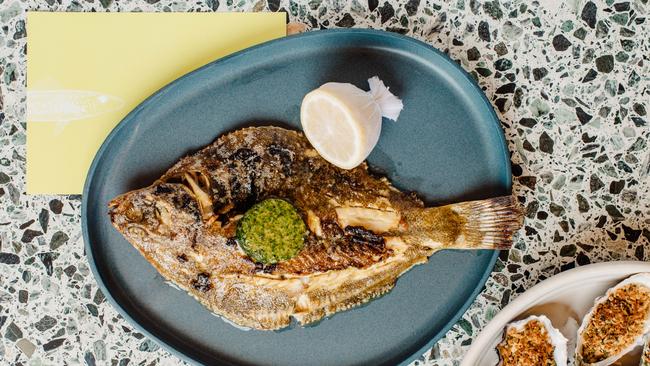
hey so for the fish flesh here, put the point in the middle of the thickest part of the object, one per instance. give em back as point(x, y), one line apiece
point(362, 232)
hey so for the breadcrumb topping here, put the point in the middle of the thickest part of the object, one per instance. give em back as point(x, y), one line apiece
point(616, 323)
point(530, 346)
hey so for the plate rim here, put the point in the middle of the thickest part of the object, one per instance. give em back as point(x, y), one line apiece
point(551, 284)
point(494, 121)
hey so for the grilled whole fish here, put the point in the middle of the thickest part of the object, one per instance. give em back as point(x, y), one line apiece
point(363, 232)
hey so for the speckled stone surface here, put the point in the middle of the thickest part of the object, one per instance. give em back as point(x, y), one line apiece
point(568, 79)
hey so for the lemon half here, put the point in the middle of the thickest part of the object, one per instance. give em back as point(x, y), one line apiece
point(343, 122)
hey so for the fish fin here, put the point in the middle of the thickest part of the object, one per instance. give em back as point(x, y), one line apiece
point(490, 223)
point(484, 224)
point(313, 316)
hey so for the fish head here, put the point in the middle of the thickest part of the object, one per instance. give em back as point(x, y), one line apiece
point(161, 213)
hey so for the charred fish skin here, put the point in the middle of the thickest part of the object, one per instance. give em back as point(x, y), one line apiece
point(363, 232)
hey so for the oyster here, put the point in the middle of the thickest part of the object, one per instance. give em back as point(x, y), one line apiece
point(532, 342)
point(616, 324)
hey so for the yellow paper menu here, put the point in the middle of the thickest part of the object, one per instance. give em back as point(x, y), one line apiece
point(86, 71)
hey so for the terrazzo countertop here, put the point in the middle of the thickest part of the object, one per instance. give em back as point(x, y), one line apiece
point(568, 79)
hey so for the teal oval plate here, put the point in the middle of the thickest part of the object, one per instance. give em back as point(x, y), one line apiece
point(447, 146)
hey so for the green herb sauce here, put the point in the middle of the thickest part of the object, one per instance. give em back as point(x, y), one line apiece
point(271, 231)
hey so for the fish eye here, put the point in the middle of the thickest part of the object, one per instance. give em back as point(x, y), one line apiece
point(137, 230)
point(133, 214)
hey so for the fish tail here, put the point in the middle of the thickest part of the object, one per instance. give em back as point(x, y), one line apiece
point(484, 224)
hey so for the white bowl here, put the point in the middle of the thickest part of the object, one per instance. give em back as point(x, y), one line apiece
point(568, 294)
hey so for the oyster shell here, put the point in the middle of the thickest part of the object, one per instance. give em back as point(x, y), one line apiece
point(645, 356)
point(532, 342)
point(616, 323)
